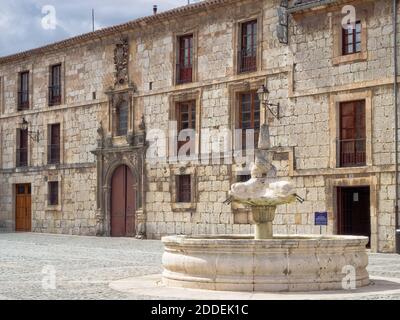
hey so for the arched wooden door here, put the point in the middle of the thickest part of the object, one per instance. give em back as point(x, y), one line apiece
point(123, 203)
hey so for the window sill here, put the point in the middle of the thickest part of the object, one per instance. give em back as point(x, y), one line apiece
point(183, 207)
point(352, 170)
point(53, 208)
point(350, 58)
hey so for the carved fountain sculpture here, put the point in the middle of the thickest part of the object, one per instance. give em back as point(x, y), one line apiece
point(264, 262)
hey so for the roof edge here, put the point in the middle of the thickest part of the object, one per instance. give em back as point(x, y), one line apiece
point(175, 12)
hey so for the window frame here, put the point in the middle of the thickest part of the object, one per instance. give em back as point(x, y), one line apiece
point(52, 147)
point(344, 142)
point(184, 196)
point(251, 59)
point(55, 100)
point(253, 99)
point(53, 187)
point(21, 150)
point(334, 129)
point(23, 90)
point(119, 131)
point(185, 59)
point(354, 33)
point(191, 121)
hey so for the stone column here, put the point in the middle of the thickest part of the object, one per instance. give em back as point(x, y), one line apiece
point(263, 217)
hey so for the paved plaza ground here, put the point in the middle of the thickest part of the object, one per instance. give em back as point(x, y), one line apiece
point(85, 266)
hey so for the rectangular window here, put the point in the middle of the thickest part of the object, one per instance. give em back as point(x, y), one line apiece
point(351, 39)
point(186, 118)
point(55, 85)
point(248, 47)
point(22, 148)
point(122, 118)
point(184, 70)
point(53, 193)
point(249, 116)
point(54, 144)
point(184, 188)
point(352, 140)
point(23, 92)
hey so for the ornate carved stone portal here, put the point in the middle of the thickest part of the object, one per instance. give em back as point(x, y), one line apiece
point(109, 158)
point(115, 149)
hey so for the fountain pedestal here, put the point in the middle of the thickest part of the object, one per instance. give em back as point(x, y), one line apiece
point(263, 217)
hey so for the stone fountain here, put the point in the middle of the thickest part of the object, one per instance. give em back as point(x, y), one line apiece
point(264, 262)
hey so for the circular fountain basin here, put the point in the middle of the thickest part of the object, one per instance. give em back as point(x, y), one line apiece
point(284, 263)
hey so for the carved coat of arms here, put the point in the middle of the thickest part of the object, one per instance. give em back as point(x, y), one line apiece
point(121, 59)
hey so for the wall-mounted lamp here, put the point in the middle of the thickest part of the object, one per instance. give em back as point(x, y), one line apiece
point(34, 135)
point(263, 97)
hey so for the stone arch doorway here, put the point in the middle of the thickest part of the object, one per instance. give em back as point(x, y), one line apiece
point(123, 203)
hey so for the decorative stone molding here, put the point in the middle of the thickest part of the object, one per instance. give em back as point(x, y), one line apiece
point(121, 61)
point(109, 158)
point(336, 28)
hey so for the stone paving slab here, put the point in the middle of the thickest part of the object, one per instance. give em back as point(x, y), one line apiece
point(87, 267)
point(152, 286)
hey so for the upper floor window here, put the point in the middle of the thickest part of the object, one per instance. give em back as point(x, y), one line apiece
point(22, 148)
point(186, 118)
point(248, 47)
point(122, 119)
point(55, 85)
point(23, 91)
point(351, 39)
point(184, 188)
point(184, 70)
point(352, 140)
point(53, 152)
point(249, 116)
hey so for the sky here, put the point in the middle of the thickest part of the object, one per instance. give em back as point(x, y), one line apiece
point(28, 24)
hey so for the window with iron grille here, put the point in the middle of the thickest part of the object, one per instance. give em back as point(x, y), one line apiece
point(54, 144)
point(23, 92)
point(55, 85)
point(351, 39)
point(22, 148)
point(352, 140)
point(248, 47)
point(53, 193)
point(184, 68)
point(186, 118)
point(184, 188)
point(122, 119)
point(249, 116)
point(243, 177)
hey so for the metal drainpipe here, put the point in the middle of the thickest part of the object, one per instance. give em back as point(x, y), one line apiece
point(396, 125)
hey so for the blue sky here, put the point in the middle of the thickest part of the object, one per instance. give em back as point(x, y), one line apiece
point(21, 20)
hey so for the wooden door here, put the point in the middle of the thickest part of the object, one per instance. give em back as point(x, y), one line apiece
point(354, 217)
point(23, 208)
point(123, 203)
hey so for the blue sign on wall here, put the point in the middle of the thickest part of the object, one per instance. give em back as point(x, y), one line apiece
point(321, 218)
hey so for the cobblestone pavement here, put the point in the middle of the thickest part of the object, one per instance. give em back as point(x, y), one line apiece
point(85, 266)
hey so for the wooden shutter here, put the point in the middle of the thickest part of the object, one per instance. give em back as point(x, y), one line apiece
point(352, 140)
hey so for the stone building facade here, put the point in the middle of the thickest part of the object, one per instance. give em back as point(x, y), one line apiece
point(119, 89)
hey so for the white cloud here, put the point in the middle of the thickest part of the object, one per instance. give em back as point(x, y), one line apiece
point(20, 21)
